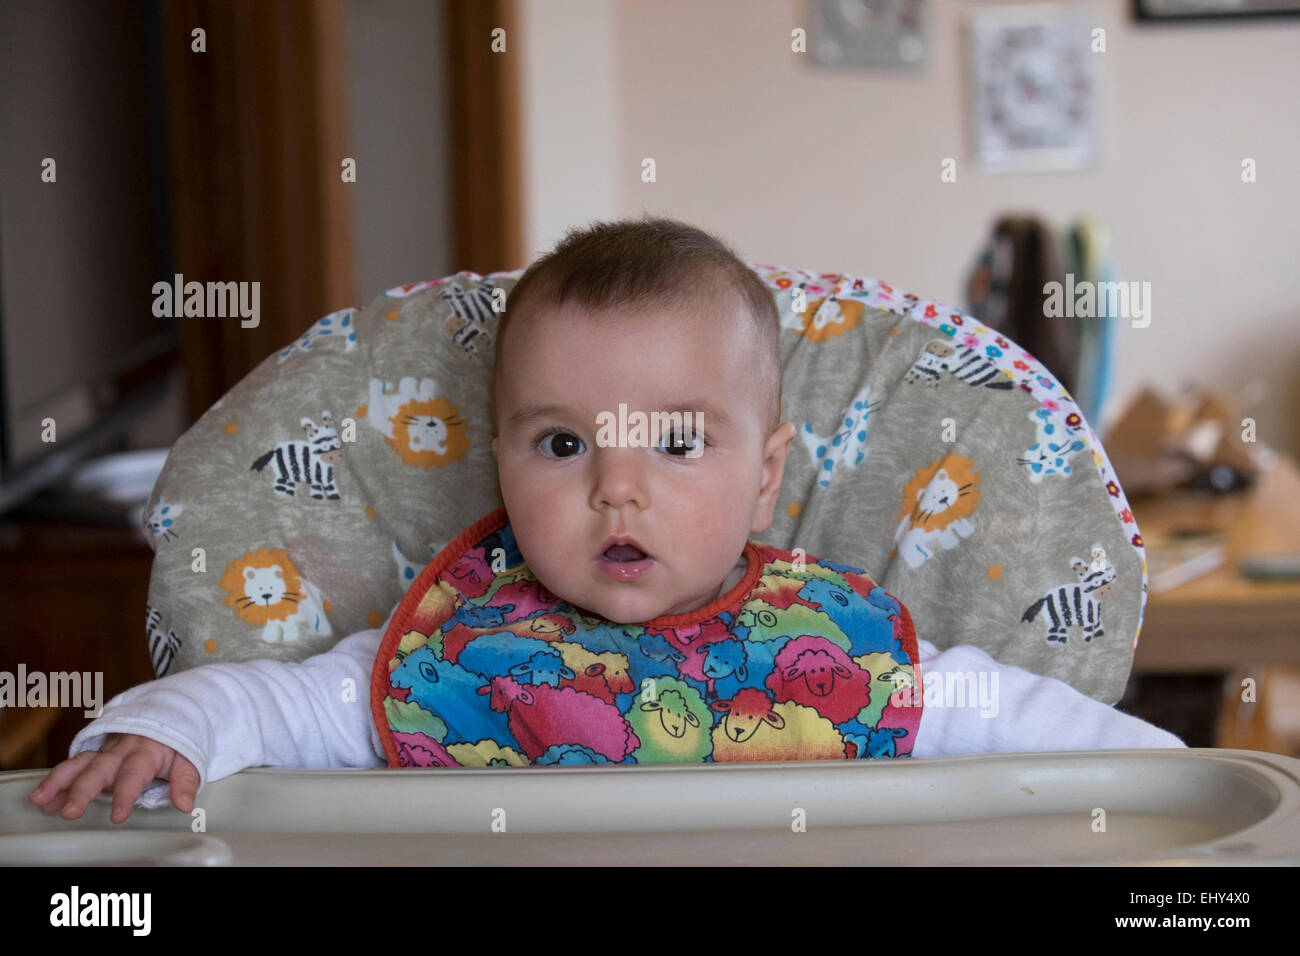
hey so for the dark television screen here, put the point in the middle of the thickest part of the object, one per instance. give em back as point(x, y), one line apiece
point(82, 228)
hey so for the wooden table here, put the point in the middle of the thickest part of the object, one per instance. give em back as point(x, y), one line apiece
point(1222, 621)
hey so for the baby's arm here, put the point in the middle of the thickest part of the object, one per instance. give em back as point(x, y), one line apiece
point(225, 717)
point(1033, 713)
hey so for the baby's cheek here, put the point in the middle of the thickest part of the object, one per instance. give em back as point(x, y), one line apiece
point(713, 516)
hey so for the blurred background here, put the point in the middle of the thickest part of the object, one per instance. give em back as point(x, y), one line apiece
point(969, 152)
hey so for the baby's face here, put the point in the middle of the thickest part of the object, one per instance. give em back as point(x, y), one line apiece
point(566, 495)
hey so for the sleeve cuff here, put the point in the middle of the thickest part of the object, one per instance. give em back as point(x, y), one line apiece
point(157, 793)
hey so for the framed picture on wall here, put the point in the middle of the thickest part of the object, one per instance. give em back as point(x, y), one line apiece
point(1034, 88)
point(871, 33)
point(1166, 10)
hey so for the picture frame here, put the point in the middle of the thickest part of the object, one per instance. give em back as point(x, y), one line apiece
point(1177, 11)
point(1035, 92)
point(869, 33)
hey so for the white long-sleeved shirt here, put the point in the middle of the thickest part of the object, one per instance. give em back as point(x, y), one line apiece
point(316, 714)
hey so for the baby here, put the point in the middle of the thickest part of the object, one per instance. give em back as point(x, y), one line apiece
point(614, 610)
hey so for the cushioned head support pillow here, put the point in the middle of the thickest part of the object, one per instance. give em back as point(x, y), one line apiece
point(931, 451)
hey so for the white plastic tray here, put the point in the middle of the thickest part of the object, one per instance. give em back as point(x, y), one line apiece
point(1160, 807)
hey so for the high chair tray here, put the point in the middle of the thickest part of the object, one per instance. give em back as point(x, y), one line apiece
point(1143, 807)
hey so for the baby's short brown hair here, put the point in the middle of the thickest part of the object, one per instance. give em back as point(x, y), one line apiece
point(638, 263)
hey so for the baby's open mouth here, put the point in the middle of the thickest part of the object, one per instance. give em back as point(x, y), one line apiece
point(624, 561)
point(624, 552)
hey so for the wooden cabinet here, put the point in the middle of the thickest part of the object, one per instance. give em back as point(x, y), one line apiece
point(73, 598)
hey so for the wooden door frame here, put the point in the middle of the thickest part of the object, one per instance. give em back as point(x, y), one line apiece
point(256, 132)
point(485, 135)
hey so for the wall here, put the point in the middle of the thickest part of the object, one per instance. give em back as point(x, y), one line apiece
point(398, 115)
point(573, 92)
point(799, 165)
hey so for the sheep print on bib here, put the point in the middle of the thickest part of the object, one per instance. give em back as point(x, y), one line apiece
point(482, 666)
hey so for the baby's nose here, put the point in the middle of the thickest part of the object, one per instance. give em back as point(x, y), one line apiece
point(620, 477)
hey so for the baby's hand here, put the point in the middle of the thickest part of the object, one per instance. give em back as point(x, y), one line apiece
point(130, 760)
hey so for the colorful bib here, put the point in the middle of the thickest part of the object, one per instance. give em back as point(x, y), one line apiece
point(804, 659)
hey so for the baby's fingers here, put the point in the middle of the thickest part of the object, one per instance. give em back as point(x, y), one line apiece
point(185, 783)
point(137, 771)
point(57, 780)
point(93, 780)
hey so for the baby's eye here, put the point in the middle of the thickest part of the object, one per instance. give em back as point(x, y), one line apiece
point(678, 447)
point(567, 446)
